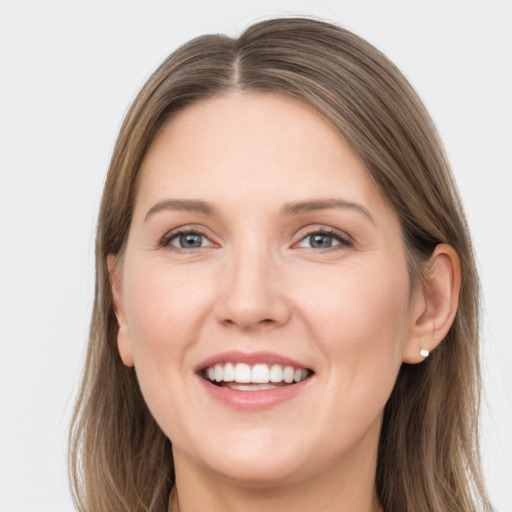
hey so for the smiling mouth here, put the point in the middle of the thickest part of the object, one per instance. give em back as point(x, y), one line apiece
point(257, 377)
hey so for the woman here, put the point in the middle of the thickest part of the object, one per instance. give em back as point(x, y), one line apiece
point(286, 312)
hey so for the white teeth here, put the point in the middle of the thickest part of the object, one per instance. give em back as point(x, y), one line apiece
point(260, 374)
point(300, 375)
point(251, 387)
point(243, 373)
point(229, 372)
point(288, 374)
point(276, 373)
point(304, 373)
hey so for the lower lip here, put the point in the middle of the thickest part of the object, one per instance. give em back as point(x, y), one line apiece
point(253, 400)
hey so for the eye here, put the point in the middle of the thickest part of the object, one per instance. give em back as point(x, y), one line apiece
point(324, 240)
point(187, 240)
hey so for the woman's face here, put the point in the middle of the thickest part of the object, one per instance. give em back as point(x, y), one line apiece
point(260, 250)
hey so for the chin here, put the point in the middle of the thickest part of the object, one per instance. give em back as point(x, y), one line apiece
point(251, 459)
point(260, 472)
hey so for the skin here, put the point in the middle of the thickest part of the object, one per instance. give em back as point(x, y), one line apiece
point(348, 312)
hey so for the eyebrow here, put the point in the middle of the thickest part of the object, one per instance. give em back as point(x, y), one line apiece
point(187, 205)
point(295, 208)
point(323, 204)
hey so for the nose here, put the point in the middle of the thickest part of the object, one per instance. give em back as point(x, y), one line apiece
point(252, 294)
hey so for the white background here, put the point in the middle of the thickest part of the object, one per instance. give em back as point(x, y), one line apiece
point(68, 71)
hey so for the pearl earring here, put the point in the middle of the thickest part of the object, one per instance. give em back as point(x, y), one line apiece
point(424, 352)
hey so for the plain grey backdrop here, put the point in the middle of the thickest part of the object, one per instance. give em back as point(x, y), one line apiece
point(68, 71)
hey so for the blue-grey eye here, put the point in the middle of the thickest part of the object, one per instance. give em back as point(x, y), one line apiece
point(321, 240)
point(188, 240)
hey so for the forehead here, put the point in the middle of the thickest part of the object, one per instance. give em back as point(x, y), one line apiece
point(252, 146)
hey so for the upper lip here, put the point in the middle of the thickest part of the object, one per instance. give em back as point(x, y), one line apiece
point(249, 358)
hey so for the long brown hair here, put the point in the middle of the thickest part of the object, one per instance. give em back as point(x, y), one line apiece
point(428, 454)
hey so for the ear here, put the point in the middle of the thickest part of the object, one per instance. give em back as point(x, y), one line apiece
point(435, 304)
point(124, 342)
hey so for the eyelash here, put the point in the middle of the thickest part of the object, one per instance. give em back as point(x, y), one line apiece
point(342, 239)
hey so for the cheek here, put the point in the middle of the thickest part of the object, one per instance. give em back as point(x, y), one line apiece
point(360, 325)
point(360, 320)
point(164, 308)
point(165, 311)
